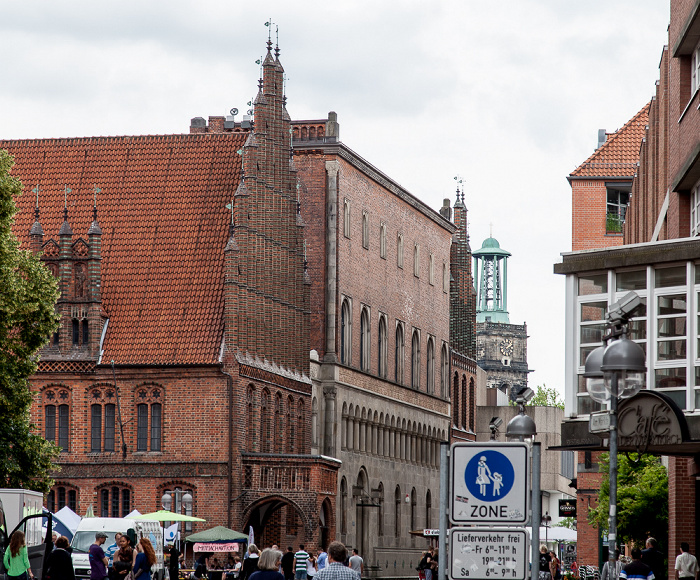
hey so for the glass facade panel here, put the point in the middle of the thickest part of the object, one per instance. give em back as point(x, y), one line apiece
point(666, 277)
point(671, 350)
point(593, 311)
point(636, 280)
point(671, 327)
point(587, 405)
point(593, 284)
point(638, 330)
point(673, 304)
point(669, 378)
point(678, 397)
point(585, 351)
point(592, 333)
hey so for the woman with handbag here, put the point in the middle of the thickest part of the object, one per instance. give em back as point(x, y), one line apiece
point(16, 559)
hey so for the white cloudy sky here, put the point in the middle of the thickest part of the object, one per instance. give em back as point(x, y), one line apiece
point(507, 94)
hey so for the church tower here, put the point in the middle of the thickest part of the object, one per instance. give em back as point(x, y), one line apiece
point(501, 346)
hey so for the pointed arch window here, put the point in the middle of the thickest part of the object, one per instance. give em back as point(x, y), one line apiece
point(364, 340)
point(414, 508)
point(399, 250)
point(365, 230)
point(431, 270)
point(382, 348)
point(291, 442)
point(301, 430)
point(472, 405)
point(397, 512)
point(416, 260)
point(346, 218)
point(343, 506)
point(415, 360)
point(345, 332)
point(279, 424)
point(399, 353)
point(382, 241)
point(56, 418)
point(464, 402)
point(430, 366)
point(428, 508)
point(444, 372)
point(455, 400)
point(266, 427)
point(380, 511)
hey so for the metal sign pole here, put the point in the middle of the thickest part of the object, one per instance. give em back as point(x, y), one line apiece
point(536, 510)
point(444, 491)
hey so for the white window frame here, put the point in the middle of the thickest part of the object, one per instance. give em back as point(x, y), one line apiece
point(695, 211)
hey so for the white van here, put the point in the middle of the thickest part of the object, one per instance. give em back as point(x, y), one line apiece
point(85, 536)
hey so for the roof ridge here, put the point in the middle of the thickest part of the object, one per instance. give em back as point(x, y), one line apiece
point(117, 138)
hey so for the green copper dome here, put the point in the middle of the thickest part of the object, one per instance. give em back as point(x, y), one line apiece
point(491, 247)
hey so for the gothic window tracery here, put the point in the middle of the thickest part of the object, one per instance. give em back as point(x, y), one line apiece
point(149, 418)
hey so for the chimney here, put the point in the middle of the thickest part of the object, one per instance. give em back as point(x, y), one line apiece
point(446, 210)
point(602, 138)
point(216, 124)
point(198, 125)
point(333, 127)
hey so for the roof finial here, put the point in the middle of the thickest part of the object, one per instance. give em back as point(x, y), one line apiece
point(277, 42)
point(269, 35)
point(94, 206)
point(66, 191)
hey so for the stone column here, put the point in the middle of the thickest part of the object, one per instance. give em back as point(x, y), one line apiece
point(332, 168)
point(329, 433)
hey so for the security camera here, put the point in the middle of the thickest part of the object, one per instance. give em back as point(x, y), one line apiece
point(624, 309)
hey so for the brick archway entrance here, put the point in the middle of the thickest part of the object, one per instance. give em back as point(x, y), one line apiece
point(277, 521)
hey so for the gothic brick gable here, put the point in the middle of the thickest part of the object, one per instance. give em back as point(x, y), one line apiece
point(164, 223)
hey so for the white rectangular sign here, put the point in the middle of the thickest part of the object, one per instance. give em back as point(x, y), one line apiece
point(489, 483)
point(489, 553)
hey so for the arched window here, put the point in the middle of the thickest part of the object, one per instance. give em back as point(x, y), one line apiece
point(414, 508)
point(301, 430)
point(382, 348)
point(115, 501)
point(416, 260)
point(399, 250)
point(292, 440)
point(343, 506)
point(472, 405)
point(397, 512)
point(431, 270)
point(428, 507)
point(365, 230)
point(76, 332)
point(86, 332)
point(444, 372)
point(399, 353)
point(464, 401)
point(266, 428)
point(415, 360)
point(345, 332)
point(430, 362)
point(56, 422)
point(455, 400)
point(61, 496)
point(96, 428)
point(250, 417)
point(364, 340)
point(382, 241)
point(380, 511)
point(279, 424)
point(143, 434)
point(346, 218)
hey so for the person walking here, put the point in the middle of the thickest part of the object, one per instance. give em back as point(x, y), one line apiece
point(356, 562)
point(250, 564)
point(60, 565)
point(336, 569)
point(555, 566)
point(98, 560)
point(16, 559)
point(322, 559)
point(636, 569)
point(300, 559)
point(686, 563)
point(145, 560)
point(310, 567)
point(288, 564)
point(614, 574)
point(268, 565)
point(653, 558)
point(545, 559)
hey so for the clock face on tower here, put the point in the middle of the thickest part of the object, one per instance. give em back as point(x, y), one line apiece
point(507, 347)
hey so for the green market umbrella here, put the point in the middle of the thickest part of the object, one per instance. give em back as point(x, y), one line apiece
point(217, 534)
point(167, 516)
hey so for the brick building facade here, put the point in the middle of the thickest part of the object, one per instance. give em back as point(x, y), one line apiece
point(660, 253)
point(181, 364)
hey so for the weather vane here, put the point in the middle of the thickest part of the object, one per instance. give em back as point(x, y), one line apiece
point(36, 190)
point(66, 191)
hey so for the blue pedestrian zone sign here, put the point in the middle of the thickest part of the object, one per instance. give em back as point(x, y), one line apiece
point(489, 483)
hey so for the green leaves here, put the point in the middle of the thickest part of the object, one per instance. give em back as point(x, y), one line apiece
point(642, 499)
point(28, 294)
point(546, 397)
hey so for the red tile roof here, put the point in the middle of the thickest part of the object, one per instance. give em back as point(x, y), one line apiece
point(164, 222)
point(618, 156)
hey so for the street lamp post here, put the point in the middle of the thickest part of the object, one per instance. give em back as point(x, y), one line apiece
point(616, 371)
point(520, 428)
point(546, 520)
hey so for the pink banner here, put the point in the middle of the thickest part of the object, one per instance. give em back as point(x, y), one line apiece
point(230, 547)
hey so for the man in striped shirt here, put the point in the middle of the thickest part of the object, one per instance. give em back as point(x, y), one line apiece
point(300, 559)
point(636, 570)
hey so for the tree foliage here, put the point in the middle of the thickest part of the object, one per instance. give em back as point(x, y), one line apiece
point(28, 294)
point(642, 499)
point(546, 397)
